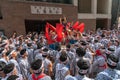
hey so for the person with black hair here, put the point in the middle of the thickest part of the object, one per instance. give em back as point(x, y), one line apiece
point(42, 41)
point(38, 51)
point(11, 43)
point(110, 50)
point(117, 43)
point(5, 57)
point(63, 21)
point(18, 49)
point(66, 73)
point(80, 53)
point(110, 73)
point(117, 53)
point(30, 51)
point(2, 65)
point(48, 66)
point(63, 61)
point(24, 65)
point(13, 77)
point(104, 40)
point(34, 43)
point(83, 69)
point(89, 54)
point(38, 71)
point(10, 69)
point(38, 54)
point(99, 63)
point(13, 60)
point(56, 52)
point(71, 56)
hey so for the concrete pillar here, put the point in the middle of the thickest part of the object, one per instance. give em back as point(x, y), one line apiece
point(109, 6)
point(75, 2)
point(94, 6)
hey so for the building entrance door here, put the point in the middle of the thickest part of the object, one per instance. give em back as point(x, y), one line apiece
point(101, 23)
point(38, 25)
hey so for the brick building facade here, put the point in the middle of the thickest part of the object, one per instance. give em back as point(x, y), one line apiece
point(19, 16)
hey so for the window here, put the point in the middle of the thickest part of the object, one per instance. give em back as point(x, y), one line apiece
point(102, 6)
point(54, 1)
point(0, 13)
point(84, 6)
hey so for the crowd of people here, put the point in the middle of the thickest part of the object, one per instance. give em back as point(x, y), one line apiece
point(80, 56)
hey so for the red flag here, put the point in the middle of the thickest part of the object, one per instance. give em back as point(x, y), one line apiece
point(52, 27)
point(47, 34)
point(59, 29)
point(75, 26)
point(47, 31)
point(81, 27)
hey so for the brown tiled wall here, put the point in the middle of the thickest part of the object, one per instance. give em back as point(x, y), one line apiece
point(90, 24)
point(14, 13)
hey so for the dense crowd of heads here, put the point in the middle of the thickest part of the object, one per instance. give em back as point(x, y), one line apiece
point(79, 56)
